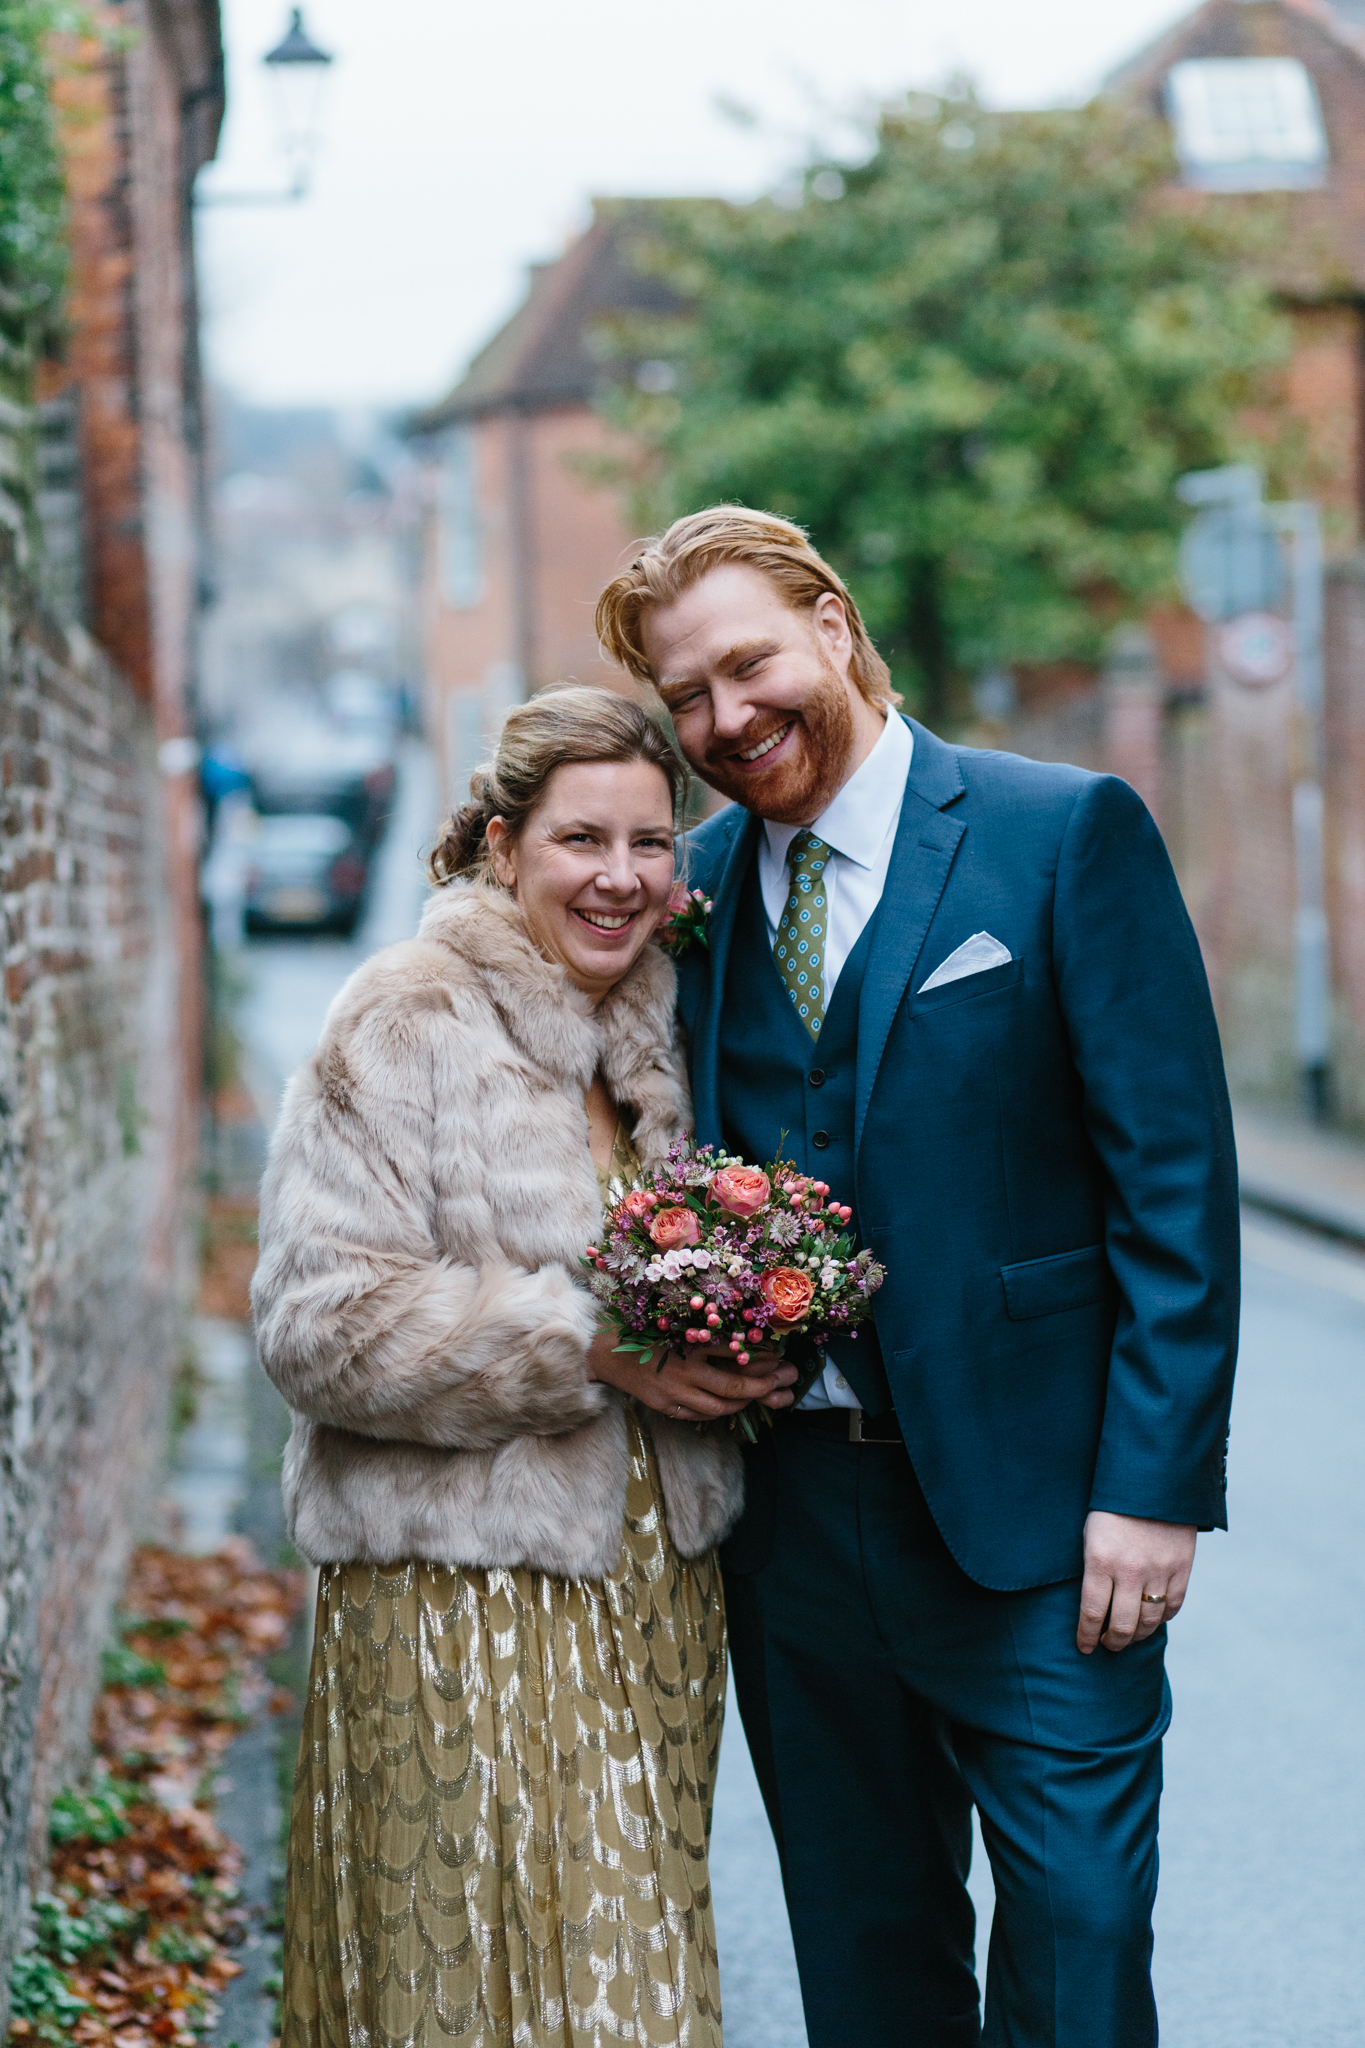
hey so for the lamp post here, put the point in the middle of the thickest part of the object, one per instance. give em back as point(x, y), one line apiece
point(297, 70)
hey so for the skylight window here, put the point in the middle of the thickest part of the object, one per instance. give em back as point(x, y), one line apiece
point(1247, 124)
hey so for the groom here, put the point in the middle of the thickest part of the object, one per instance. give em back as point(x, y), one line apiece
point(963, 985)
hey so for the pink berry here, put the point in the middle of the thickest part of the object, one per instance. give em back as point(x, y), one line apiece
point(741, 1358)
point(736, 1344)
point(747, 1314)
point(662, 1322)
point(845, 1214)
point(696, 1302)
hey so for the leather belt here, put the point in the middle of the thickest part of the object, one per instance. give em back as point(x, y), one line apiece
point(845, 1425)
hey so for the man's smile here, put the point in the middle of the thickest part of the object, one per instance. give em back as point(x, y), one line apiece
point(764, 747)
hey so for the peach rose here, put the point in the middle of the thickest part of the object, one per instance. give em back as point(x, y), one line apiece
point(674, 1227)
point(790, 1292)
point(638, 1202)
point(742, 1190)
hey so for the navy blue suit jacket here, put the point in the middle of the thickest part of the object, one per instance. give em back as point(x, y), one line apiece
point(1043, 1155)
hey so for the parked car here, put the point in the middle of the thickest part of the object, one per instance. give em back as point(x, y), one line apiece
point(300, 763)
point(304, 871)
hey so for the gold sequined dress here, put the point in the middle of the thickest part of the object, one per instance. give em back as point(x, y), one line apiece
point(503, 1801)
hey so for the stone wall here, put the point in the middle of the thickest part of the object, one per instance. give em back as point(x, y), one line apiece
point(93, 1209)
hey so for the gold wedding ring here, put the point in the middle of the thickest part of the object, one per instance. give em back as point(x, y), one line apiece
point(1155, 1599)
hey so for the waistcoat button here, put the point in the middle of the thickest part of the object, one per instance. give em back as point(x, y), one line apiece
point(819, 1139)
point(816, 1077)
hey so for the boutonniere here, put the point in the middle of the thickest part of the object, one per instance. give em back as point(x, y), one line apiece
point(685, 923)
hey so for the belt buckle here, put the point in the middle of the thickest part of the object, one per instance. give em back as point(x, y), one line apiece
point(855, 1425)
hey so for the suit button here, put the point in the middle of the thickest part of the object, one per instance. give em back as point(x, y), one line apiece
point(816, 1077)
point(819, 1139)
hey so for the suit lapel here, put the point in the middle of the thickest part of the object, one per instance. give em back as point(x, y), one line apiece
point(926, 843)
point(704, 1023)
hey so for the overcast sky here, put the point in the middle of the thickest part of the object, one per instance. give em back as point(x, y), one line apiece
point(460, 141)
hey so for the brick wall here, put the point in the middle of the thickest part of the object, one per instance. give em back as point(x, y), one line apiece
point(92, 1241)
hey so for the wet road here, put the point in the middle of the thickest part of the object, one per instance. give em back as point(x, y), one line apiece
point(1262, 1907)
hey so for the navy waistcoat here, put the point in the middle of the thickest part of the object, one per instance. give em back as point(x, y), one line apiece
point(775, 1078)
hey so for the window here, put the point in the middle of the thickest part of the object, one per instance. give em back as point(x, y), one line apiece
point(461, 535)
point(1247, 124)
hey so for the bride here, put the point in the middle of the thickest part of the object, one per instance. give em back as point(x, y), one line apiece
point(503, 1800)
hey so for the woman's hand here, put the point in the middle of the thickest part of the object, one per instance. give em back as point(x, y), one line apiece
point(689, 1386)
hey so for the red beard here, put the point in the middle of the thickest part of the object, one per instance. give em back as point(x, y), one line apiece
point(813, 765)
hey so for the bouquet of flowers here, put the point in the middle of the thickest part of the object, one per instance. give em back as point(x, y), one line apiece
point(708, 1250)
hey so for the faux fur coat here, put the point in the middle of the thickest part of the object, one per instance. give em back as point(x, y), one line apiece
point(418, 1302)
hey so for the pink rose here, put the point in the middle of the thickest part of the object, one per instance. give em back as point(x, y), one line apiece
point(789, 1291)
point(638, 1202)
point(678, 900)
point(742, 1190)
point(674, 1227)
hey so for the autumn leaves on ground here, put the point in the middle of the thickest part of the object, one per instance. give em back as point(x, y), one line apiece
point(136, 1926)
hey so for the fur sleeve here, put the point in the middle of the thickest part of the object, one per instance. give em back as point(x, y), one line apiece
point(361, 1320)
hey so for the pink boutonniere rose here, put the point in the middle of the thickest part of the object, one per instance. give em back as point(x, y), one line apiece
point(684, 921)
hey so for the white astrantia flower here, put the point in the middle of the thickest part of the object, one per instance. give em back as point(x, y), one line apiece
point(783, 1228)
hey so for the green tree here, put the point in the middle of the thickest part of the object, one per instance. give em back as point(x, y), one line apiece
point(973, 366)
point(33, 247)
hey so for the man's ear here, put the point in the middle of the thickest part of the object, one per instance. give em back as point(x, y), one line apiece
point(830, 622)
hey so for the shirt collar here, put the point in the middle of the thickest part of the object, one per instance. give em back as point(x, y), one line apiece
point(857, 820)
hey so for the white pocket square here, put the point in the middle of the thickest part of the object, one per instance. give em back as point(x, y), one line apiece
point(973, 956)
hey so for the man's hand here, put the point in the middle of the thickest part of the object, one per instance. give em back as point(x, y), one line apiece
point(1126, 1557)
point(695, 1387)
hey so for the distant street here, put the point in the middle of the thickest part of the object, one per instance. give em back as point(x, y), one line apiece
point(1259, 1926)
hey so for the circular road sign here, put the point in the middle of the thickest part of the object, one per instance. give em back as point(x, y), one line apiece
point(1256, 650)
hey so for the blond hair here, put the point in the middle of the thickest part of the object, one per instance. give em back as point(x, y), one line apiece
point(670, 563)
point(568, 722)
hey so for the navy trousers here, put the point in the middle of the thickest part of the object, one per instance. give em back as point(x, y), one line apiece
point(883, 1693)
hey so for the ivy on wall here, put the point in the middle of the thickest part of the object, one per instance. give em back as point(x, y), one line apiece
point(33, 245)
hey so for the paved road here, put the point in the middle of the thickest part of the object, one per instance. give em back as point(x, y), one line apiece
point(1262, 1910)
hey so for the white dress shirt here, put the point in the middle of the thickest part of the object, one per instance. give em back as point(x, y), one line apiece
point(860, 825)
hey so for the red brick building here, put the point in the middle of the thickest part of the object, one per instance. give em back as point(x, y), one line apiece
point(99, 1013)
point(520, 536)
point(1267, 101)
point(1267, 104)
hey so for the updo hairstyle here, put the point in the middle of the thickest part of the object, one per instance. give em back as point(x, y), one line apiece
point(572, 723)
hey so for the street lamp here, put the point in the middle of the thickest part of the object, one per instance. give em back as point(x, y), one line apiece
point(297, 70)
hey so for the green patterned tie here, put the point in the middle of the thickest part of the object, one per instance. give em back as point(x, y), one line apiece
point(799, 948)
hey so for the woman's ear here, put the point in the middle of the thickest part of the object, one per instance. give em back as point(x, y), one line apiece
point(501, 852)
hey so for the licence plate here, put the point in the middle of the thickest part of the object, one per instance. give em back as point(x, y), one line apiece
point(296, 906)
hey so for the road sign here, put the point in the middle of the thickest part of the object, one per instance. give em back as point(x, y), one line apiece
point(1256, 650)
point(1231, 562)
